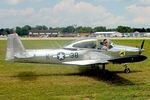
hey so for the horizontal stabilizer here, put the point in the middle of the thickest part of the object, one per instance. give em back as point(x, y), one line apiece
point(22, 56)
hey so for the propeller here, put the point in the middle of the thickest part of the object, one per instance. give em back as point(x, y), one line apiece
point(142, 45)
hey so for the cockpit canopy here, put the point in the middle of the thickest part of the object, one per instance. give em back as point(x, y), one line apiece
point(91, 43)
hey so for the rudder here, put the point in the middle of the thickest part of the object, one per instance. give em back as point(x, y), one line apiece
point(14, 46)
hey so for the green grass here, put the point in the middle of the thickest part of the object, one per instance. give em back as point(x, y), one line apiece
point(19, 81)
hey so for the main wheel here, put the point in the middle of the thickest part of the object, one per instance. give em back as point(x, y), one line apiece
point(127, 70)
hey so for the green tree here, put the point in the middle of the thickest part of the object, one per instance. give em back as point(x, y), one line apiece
point(111, 29)
point(25, 29)
point(50, 28)
point(38, 27)
point(59, 29)
point(124, 29)
point(81, 29)
point(44, 27)
point(69, 29)
point(19, 30)
point(100, 29)
point(2, 31)
point(148, 30)
point(8, 31)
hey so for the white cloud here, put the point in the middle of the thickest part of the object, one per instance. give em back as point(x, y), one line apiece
point(140, 14)
point(139, 10)
point(66, 12)
point(143, 2)
point(13, 17)
point(141, 20)
point(16, 13)
point(15, 2)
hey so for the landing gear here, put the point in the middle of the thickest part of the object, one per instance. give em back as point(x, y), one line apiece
point(126, 70)
point(95, 67)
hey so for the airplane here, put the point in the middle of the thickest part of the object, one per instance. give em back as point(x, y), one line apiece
point(82, 52)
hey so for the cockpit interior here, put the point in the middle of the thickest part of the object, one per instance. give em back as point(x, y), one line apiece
point(102, 44)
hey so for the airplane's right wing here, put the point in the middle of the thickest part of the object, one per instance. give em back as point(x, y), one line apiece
point(91, 57)
point(86, 62)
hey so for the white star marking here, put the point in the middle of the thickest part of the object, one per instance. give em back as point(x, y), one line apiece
point(61, 56)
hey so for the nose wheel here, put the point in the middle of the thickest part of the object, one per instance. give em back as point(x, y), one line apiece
point(126, 70)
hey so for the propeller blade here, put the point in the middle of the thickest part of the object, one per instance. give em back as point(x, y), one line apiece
point(142, 44)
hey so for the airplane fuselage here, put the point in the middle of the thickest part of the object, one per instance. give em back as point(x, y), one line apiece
point(57, 56)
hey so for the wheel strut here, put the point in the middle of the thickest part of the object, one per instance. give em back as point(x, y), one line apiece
point(95, 67)
point(126, 70)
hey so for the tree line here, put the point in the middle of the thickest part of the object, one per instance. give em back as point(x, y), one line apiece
point(24, 31)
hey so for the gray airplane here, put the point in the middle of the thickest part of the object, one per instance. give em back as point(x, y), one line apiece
point(82, 52)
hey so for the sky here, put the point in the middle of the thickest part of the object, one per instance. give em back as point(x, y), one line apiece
point(61, 13)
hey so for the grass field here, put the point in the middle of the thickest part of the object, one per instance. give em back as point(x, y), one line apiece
point(19, 81)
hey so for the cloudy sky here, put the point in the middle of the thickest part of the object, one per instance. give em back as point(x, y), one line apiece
point(55, 13)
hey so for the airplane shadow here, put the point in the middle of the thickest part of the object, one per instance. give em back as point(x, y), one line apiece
point(109, 77)
point(27, 76)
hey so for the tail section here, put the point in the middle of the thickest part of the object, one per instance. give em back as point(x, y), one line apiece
point(14, 46)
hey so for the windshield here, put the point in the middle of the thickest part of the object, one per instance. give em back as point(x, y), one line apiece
point(69, 43)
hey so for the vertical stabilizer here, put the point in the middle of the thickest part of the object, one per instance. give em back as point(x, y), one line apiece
point(14, 46)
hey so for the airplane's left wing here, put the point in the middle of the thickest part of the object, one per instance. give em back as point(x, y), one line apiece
point(85, 62)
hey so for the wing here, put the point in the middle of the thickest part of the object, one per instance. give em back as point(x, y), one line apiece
point(85, 62)
point(91, 57)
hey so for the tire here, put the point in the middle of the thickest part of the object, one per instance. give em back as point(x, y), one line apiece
point(127, 70)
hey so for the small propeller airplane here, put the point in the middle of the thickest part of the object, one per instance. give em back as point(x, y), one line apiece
point(82, 52)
